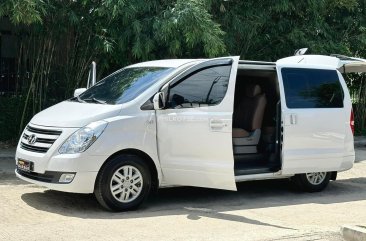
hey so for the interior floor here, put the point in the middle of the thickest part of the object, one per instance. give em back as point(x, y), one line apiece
point(261, 156)
point(246, 164)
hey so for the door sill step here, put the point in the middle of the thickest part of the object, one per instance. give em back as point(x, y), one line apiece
point(262, 176)
point(253, 170)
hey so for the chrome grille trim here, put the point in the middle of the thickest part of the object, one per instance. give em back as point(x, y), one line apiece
point(34, 148)
point(44, 139)
point(41, 140)
point(43, 131)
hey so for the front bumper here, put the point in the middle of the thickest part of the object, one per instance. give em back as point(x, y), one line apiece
point(50, 177)
point(47, 170)
point(48, 165)
point(83, 182)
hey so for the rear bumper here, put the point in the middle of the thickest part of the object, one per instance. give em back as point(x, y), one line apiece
point(347, 163)
point(83, 182)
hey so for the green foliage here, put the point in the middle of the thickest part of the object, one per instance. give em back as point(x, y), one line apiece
point(23, 11)
point(187, 23)
point(10, 118)
point(268, 31)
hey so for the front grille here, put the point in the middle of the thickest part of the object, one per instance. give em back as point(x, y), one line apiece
point(38, 139)
point(43, 131)
point(41, 140)
point(34, 148)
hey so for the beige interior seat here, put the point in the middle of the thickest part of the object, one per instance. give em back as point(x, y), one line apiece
point(247, 120)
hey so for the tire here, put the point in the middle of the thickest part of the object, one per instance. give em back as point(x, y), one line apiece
point(116, 175)
point(311, 182)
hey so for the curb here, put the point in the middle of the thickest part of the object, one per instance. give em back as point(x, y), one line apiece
point(6, 156)
point(360, 141)
point(353, 233)
point(7, 153)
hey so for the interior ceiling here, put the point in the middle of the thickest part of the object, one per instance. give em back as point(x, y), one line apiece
point(257, 73)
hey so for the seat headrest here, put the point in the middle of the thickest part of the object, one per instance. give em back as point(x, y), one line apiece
point(253, 90)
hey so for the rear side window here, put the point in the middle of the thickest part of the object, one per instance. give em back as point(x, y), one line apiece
point(312, 88)
point(206, 87)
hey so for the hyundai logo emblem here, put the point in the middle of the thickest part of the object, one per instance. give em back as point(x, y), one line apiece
point(32, 139)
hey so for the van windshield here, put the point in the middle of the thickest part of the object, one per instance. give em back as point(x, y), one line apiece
point(123, 86)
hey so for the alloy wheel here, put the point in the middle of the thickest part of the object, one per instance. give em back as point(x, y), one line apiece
point(126, 184)
point(316, 178)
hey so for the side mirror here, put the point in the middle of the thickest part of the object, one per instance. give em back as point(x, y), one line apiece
point(158, 101)
point(78, 92)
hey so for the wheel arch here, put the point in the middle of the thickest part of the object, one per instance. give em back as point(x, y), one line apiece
point(152, 166)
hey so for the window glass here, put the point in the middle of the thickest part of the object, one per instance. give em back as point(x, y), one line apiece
point(204, 88)
point(312, 88)
point(124, 85)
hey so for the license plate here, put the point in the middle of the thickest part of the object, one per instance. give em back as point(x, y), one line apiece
point(25, 165)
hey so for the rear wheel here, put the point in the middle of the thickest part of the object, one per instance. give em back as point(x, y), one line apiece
point(123, 183)
point(311, 182)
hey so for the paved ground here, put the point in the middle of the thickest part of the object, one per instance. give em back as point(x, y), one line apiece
point(264, 210)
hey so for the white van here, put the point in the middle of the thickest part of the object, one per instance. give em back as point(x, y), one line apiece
point(205, 123)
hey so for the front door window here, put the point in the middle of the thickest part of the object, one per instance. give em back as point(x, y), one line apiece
point(204, 88)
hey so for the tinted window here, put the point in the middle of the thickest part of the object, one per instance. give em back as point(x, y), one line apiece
point(203, 88)
point(312, 88)
point(124, 85)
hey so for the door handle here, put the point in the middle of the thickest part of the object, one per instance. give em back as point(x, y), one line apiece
point(293, 119)
point(217, 124)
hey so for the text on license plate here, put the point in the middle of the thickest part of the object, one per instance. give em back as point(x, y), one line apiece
point(25, 165)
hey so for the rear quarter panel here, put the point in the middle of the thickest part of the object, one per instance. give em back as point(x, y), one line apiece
point(349, 151)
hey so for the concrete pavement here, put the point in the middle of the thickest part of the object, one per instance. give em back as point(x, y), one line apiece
point(262, 210)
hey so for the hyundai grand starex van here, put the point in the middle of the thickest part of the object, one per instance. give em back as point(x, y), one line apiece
point(204, 123)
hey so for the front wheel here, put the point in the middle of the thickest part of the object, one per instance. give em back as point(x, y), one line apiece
point(123, 183)
point(311, 182)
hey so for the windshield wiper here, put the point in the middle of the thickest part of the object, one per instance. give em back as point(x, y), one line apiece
point(78, 99)
point(95, 100)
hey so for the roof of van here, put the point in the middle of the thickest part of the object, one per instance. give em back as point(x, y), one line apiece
point(169, 63)
point(174, 63)
point(343, 63)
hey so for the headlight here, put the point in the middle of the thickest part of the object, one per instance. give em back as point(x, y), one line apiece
point(83, 138)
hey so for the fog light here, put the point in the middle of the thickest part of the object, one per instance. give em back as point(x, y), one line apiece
point(66, 177)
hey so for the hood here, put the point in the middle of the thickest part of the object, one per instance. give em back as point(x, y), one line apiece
point(74, 114)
